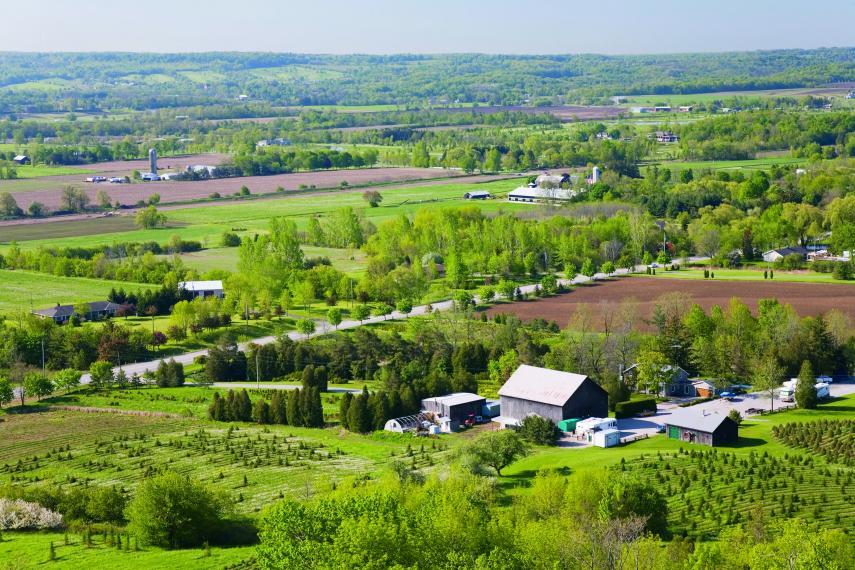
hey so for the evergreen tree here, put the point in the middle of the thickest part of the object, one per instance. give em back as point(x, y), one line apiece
point(308, 377)
point(379, 406)
point(231, 411)
point(315, 409)
point(321, 379)
point(359, 416)
point(295, 408)
point(806, 387)
point(244, 406)
point(261, 412)
point(216, 410)
point(277, 408)
point(343, 407)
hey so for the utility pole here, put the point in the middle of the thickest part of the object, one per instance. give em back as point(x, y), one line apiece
point(257, 371)
point(43, 355)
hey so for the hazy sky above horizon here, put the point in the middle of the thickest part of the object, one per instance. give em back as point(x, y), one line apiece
point(432, 26)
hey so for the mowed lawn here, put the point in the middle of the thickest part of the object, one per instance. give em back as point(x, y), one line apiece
point(25, 290)
point(751, 275)
point(206, 224)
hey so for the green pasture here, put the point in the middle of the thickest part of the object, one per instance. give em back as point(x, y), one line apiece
point(25, 290)
point(206, 223)
point(750, 275)
point(226, 258)
point(41, 170)
point(29, 550)
point(753, 164)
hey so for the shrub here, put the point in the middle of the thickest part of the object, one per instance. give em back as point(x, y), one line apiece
point(17, 514)
point(538, 430)
point(175, 511)
point(230, 239)
point(634, 407)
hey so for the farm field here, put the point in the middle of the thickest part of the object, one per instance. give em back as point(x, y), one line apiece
point(566, 113)
point(48, 190)
point(754, 164)
point(206, 223)
point(25, 290)
point(41, 171)
point(276, 460)
point(808, 299)
point(683, 99)
point(801, 276)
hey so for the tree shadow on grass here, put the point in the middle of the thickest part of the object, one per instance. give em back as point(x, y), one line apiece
point(744, 442)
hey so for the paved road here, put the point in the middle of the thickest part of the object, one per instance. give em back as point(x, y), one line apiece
point(323, 327)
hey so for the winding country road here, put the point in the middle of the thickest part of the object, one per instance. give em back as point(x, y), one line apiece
point(323, 328)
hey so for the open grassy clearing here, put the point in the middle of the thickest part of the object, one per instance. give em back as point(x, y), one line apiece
point(751, 275)
point(207, 223)
point(753, 164)
point(25, 550)
point(25, 290)
point(40, 170)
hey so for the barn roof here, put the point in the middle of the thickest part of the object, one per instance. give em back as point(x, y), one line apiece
point(542, 385)
point(456, 399)
point(699, 420)
point(196, 286)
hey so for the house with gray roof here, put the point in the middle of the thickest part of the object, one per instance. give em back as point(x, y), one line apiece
point(701, 426)
point(62, 313)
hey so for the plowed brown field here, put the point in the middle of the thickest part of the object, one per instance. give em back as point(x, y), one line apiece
point(808, 299)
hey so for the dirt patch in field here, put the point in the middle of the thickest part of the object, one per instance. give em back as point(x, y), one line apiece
point(564, 113)
point(808, 299)
point(183, 191)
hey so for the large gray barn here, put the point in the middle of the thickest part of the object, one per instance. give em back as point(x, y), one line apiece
point(551, 394)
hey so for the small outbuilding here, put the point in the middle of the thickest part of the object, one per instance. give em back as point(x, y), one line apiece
point(551, 394)
point(477, 195)
point(606, 438)
point(774, 255)
point(203, 288)
point(22, 159)
point(701, 426)
point(412, 423)
point(457, 408)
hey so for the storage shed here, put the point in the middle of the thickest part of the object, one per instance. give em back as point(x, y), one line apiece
point(568, 426)
point(702, 426)
point(408, 423)
point(457, 407)
point(551, 394)
point(606, 438)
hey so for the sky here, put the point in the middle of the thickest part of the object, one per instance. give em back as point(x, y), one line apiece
point(427, 26)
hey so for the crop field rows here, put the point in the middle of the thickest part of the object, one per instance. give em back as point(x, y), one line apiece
point(254, 465)
point(708, 490)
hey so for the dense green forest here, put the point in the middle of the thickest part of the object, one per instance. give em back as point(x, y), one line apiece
point(41, 82)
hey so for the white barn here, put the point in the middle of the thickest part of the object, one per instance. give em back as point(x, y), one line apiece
point(203, 288)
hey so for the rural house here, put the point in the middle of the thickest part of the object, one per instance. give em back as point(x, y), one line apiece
point(666, 137)
point(203, 288)
point(62, 313)
point(774, 255)
point(550, 394)
point(678, 386)
point(21, 159)
point(701, 426)
point(457, 407)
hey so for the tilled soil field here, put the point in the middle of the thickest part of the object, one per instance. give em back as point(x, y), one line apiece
point(808, 299)
point(565, 113)
point(181, 191)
